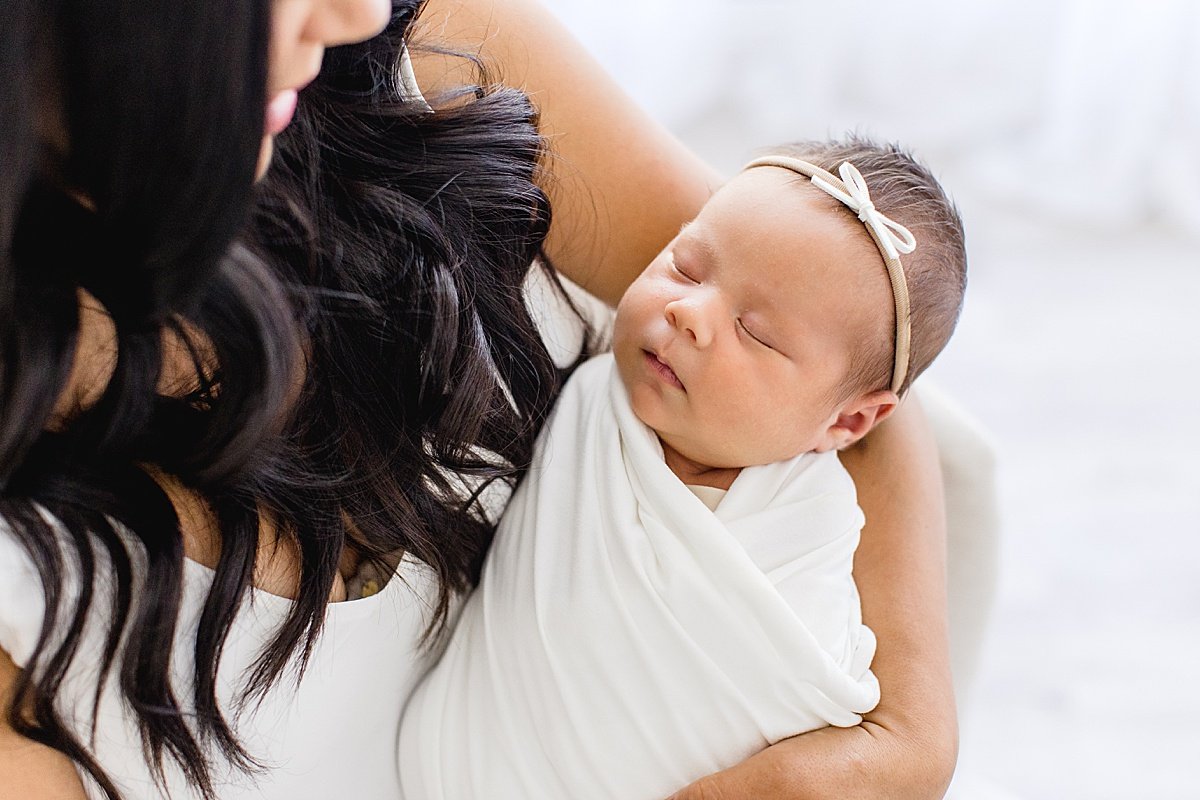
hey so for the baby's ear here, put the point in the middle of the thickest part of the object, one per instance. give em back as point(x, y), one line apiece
point(856, 417)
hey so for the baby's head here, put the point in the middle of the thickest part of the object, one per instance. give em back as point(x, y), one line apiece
point(767, 327)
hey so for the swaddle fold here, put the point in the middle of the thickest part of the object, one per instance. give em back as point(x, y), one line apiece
point(625, 640)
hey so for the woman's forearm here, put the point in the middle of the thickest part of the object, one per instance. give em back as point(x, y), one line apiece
point(905, 748)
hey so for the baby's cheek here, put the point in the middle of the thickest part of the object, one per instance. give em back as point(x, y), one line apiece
point(631, 316)
point(774, 437)
point(647, 405)
point(733, 434)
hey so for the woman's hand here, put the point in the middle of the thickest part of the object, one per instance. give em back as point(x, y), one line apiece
point(907, 747)
point(866, 762)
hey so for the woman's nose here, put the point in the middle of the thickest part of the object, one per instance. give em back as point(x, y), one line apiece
point(691, 317)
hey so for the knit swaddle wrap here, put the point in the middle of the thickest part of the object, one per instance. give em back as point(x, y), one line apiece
point(624, 641)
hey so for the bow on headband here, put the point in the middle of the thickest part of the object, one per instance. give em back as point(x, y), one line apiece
point(890, 237)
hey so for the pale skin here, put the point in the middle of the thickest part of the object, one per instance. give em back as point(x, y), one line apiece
point(621, 188)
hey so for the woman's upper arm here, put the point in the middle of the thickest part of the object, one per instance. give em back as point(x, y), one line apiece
point(30, 770)
point(620, 184)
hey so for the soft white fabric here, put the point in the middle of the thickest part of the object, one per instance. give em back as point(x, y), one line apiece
point(624, 641)
point(22, 601)
point(709, 495)
point(336, 728)
point(968, 461)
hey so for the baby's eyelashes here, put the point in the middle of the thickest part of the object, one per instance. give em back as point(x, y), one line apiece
point(750, 333)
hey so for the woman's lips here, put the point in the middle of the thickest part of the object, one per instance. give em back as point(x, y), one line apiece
point(660, 368)
point(280, 111)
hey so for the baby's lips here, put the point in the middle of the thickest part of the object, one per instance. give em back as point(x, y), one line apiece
point(664, 369)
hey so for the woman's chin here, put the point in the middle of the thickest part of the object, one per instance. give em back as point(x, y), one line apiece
point(264, 156)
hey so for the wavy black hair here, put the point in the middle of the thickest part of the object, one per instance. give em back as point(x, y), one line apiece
point(379, 266)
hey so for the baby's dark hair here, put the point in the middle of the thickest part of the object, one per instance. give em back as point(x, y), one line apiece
point(903, 189)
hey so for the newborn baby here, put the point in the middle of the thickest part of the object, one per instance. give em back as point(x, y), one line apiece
point(670, 589)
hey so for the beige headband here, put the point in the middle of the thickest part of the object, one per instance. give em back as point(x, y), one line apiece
point(890, 237)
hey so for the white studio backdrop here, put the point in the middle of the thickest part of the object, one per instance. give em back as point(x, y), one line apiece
point(1088, 109)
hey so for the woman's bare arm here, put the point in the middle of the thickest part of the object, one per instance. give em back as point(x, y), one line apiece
point(906, 748)
point(620, 184)
point(30, 770)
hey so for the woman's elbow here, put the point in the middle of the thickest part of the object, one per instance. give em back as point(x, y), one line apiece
point(924, 760)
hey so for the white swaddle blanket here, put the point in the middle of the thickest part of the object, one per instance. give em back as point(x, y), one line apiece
point(625, 640)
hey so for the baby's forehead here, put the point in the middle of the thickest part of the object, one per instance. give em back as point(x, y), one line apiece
point(784, 212)
point(793, 246)
point(775, 191)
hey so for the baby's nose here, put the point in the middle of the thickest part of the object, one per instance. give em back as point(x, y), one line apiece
point(690, 318)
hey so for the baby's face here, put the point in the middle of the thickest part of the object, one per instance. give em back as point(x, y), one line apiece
point(733, 342)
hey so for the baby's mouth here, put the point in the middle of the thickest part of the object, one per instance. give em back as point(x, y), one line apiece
point(663, 370)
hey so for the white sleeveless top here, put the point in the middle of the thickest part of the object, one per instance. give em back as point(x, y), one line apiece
point(333, 735)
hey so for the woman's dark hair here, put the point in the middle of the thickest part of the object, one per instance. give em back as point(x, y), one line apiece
point(379, 266)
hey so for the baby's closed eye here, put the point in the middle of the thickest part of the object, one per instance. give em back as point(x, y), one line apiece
point(680, 271)
point(742, 325)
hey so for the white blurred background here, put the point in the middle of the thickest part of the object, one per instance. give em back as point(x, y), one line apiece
point(1069, 132)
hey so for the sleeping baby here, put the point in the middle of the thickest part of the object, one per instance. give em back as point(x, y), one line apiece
point(670, 589)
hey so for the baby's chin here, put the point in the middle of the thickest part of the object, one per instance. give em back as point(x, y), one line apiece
point(697, 448)
point(719, 453)
point(698, 452)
